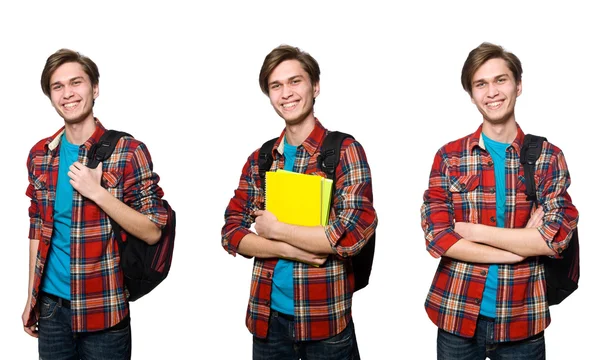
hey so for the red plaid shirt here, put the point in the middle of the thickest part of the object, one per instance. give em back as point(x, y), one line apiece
point(98, 298)
point(322, 295)
point(462, 188)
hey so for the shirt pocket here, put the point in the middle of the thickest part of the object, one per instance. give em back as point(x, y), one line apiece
point(41, 193)
point(466, 196)
point(523, 206)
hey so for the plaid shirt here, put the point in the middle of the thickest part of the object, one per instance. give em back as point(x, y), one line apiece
point(98, 298)
point(462, 188)
point(322, 295)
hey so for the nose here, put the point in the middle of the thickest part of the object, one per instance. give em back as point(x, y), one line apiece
point(492, 90)
point(287, 92)
point(68, 92)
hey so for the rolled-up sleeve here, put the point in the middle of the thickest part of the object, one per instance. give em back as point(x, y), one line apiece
point(355, 218)
point(560, 215)
point(437, 211)
point(238, 215)
point(141, 189)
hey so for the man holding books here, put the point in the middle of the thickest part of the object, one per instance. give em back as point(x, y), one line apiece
point(303, 281)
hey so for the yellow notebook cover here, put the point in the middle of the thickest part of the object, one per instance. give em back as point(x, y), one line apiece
point(294, 198)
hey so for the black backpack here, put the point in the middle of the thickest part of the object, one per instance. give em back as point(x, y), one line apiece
point(328, 161)
point(144, 266)
point(562, 275)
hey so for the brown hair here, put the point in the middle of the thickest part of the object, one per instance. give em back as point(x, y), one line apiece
point(484, 52)
point(64, 56)
point(281, 54)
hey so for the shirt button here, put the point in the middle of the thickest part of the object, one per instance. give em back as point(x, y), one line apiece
point(268, 275)
point(493, 190)
point(345, 254)
point(477, 301)
point(483, 272)
point(490, 163)
point(463, 186)
point(46, 241)
point(267, 303)
point(493, 219)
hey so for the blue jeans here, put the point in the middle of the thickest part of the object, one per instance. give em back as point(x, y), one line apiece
point(482, 345)
point(57, 341)
point(280, 343)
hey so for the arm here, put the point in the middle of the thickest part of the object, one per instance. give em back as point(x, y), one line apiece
point(140, 212)
point(33, 249)
point(254, 245)
point(437, 221)
point(355, 217)
point(307, 238)
point(525, 242)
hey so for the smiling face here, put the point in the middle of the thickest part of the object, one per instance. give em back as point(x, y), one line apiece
point(72, 93)
point(495, 91)
point(291, 92)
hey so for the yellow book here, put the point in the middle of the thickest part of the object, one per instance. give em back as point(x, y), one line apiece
point(294, 198)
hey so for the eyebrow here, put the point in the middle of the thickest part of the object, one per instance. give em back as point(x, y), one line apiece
point(289, 79)
point(482, 80)
point(71, 79)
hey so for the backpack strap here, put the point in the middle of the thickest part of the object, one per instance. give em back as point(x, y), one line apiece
point(104, 148)
point(99, 152)
point(530, 152)
point(331, 149)
point(265, 160)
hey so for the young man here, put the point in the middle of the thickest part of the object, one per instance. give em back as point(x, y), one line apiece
point(488, 296)
point(77, 304)
point(298, 310)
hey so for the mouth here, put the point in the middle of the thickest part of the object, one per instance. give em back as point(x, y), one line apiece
point(494, 105)
point(70, 106)
point(290, 106)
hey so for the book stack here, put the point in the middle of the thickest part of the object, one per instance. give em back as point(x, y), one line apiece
point(298, 199)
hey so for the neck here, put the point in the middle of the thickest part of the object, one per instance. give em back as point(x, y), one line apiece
point(78, 133)
point(295, 134)
point(504, 133)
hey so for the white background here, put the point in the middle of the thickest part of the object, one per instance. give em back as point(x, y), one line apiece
point(183, 79)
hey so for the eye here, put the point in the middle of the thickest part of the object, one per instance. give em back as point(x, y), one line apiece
point(501, 80)
point(76, 82)
point(56, 87)
point(296, 81)
point(479, 85)
point(275, 86)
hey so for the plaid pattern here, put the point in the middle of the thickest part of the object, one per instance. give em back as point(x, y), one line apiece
point(98, 298)
point(462, 188)
point(322, 295)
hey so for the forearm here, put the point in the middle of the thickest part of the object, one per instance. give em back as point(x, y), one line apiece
point(33, 249)
point(131, 221)
point(473, 252)
point(307, 238)
point(258, 246)
point(524, 241)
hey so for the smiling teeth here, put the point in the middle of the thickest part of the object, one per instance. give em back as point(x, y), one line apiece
point(289, 105)
point(494, 104)
point(70, 106)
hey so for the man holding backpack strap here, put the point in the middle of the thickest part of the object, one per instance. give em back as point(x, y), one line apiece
point(488, 296)
point(297, 310)
point(77, 302)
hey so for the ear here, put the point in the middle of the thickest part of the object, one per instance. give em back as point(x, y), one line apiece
point(316, 89)
point(519, 88)
point(96, 91)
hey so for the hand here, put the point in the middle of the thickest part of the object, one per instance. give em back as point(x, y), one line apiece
point(31, 330)
point(85, 180)
point(265, 223)
point(536, 219)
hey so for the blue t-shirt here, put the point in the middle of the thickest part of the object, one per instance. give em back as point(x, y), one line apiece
point(497, 151)
point(57, 273)
point(282, 292)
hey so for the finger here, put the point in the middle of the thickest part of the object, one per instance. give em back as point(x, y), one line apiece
point(258, 212)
